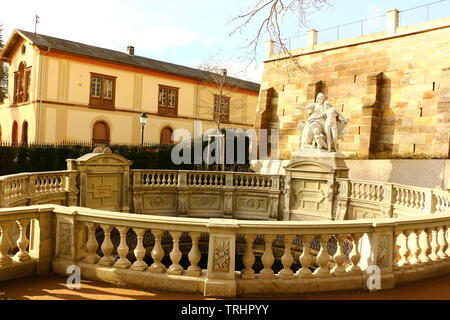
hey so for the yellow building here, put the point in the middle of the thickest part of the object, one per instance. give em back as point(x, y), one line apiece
point(60, 90)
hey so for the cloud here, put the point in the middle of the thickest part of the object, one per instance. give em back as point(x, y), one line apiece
point(235, 67)
point(111, 24)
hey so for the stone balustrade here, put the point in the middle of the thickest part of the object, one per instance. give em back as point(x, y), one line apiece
point(57, 187)
point(222, 194)
point(201, 255)
point(205, 194)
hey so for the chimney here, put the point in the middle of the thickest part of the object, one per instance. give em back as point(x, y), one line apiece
point(224, 72)
point(130, 50)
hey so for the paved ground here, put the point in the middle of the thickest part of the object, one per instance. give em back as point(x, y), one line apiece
point(54, 288)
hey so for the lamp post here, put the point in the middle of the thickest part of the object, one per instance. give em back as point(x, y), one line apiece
point(143, 117)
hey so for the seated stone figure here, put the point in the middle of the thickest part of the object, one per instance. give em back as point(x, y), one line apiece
point(319, 141)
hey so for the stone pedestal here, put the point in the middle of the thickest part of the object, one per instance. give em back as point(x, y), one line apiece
point(311, 185)
point(103, 181)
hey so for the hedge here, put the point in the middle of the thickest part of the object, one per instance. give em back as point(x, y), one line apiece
point(40, 158)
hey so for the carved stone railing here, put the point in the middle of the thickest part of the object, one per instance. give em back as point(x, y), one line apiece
point(315, 256)
point(209, 194)
point(365, 199)
point(57, 187)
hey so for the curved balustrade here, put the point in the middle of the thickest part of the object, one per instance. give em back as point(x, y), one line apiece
point(365, 190)
point(252, 181)
point(410, 197)
point(156, 178)
point(206, 179)
point(169, 253)
point(33, 188)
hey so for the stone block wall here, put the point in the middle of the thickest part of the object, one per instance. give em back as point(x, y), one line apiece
point(393, 88)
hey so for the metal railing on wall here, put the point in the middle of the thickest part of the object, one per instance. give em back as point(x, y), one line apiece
point(424, 13)
point(353, 29)
point(427, 12)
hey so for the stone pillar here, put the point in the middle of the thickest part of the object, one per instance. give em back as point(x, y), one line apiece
point(311, 39)
point(370, 115)
point(220, 279)
point(270, 48)
point(392, 21)
point(72, 189)
point(388, 201)
point(42, 246)
point(342, 200)
point(430, 202)
point(2, 196)
point(376, 255)
point(182, 194)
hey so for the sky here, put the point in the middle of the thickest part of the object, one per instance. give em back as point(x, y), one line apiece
point(190, 32)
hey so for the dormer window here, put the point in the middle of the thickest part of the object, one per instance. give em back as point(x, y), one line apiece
point(22, 81)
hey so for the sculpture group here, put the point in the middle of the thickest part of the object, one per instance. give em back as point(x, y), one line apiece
point(324, 126)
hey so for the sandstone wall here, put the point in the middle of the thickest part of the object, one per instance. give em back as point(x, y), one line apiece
point(394, 89)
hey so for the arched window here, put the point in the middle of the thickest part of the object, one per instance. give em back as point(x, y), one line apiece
point(166, 135)
point(100, 133)
point(15, 133)
point(24, 139)
point(22, 79)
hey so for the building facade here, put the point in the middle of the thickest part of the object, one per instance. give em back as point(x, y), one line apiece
point(59, 90)
point(393, 87)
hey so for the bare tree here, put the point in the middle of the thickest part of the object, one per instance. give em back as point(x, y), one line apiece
point(220, 96)
point(268, 15)
point(3, 72)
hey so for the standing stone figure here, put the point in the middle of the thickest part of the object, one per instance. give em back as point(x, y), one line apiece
point(324, 120)
point(334, 123)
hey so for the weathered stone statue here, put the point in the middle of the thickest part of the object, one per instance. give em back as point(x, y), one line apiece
point(324, 122)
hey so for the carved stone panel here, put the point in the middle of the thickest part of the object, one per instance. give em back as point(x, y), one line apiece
point(384, 251)
point(159, 201)
point(309, 194)
point(65, 239)
point(205, 201)
point(357, 213)
point(254, 204)
point(103, 191)
point(222, 255)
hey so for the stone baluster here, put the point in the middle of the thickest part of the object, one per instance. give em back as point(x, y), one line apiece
point(323, 258)
point(248, 259)
point(287, 260)
point(305, 259)
point(339, 257)
point(107, 248)
point(5, 258)
point(123, 250)
point(424, 247)
point(443, 245)
point(396, 251)
point(404, 252)
point(267, 259)
point(415, 248)
point(194, 256)
point(157, 253)
point(447, 237)
point(355, 255)
point(175, 255)
point(434, 246)
point(139, 251)
point(91, 245)
point(22, 242)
